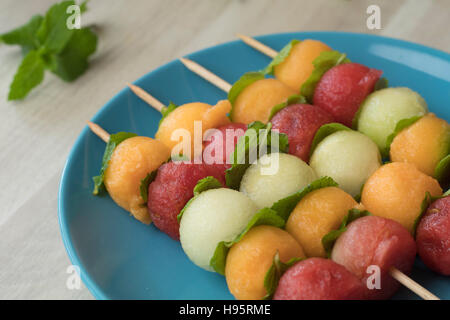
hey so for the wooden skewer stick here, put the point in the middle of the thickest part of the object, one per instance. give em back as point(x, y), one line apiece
point(206, 74)
point(99, 131)
point(412, 285)
point(147, 97)
point(258, 46)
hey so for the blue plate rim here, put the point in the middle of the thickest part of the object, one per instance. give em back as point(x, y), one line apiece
point(65, 234)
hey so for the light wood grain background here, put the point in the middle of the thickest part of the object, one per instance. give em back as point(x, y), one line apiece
point(135, 37)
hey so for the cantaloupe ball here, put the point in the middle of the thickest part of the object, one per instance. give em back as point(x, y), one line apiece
point(213, 216)
point(132, 161)
point(275, 176)
point(298, 65)
point(423, 144)
point(184, 116)
point(249, 260)
point(396, 191)
point(318, 213)
point(348, 157)
point(383, 109)
point(256, 101)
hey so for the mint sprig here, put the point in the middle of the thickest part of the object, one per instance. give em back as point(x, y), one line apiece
point(244, 81)
point(324, 131)
point(280, 57)
point(48, 44)
point(442, 170)
point(294, 99)
point(167, 110)
point(402, 124)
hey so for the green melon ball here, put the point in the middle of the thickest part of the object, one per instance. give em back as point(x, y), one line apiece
point(348, 157)
point(275, 176)
point(382, 109)
point(213, 216)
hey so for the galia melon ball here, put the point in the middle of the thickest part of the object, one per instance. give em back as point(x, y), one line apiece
point(318, 213)
point(423, 144)
point(383, 109)
point(348, 157)
point(183, 117)
point(131, 162)
point(249, 260)
point(275, 176)
point(298, 65)
point(396, 191)
point(213, 216)
point(256, 101)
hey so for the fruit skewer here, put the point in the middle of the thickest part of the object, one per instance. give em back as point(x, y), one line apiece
point(395, 273)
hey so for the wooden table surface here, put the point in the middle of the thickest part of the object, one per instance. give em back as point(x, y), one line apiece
point(135, 37)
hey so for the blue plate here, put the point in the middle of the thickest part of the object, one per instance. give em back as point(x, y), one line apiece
point(120, 258)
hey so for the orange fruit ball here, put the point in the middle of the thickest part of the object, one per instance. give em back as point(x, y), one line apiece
point(249, 260)
point(396, 191)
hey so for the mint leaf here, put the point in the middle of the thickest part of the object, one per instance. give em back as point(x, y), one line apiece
point(285, 206)
point(145, 183)
point(402, 124)
point(442, 171)
point(53, 32)
point(73, 59)
point(256, 140)
point(239, 86)
point(114, 141)
point(447, 193)
point(324, 131)
point(382, 83)
point(265, 216)
point(28, 76)
point(330, 238)
point(324, 62)
point(294, 99)
point(167, 110)
point(273, 275)
point(201, 186)
point(24, 36)
point(280, 57)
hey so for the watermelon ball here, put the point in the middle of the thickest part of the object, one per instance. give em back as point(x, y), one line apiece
point(379, 242)
point(172, 189)
point(131, 162)
point(318, 279)
point(223, 141)
point(213, 216)
point(433, 236)
point(396, 191)
point(424, 143)
point(348, 157)
point(300, 123)
point(275, 176)
point(249, 260)
point(342, 89)
point(383, 109)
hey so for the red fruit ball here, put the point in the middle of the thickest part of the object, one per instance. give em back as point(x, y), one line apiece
point(318, 279)
point(343, 88)
point(370, 247)
point(433, 236)
point(224, 139)
point(173, 188)
point(300, 123)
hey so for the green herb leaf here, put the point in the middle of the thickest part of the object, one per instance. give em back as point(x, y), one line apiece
point(324, 62)
point(201, 186)
point(239, 86)
point(167, 110)
point(382, 83)
point(285, 206)
point(24, 36)
point(53, 32)
point(423, 208)
point(280, 57)
point(114, 141)
point(273, 275)
point(265, 216)
point(324, 131)
point(143, 188)
point(330, 238)
point(442, 171)
point(28, 76)
point(447, 193)
point(294, 99)
point(73, 59)
point(402, 124)
point(256, 141)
